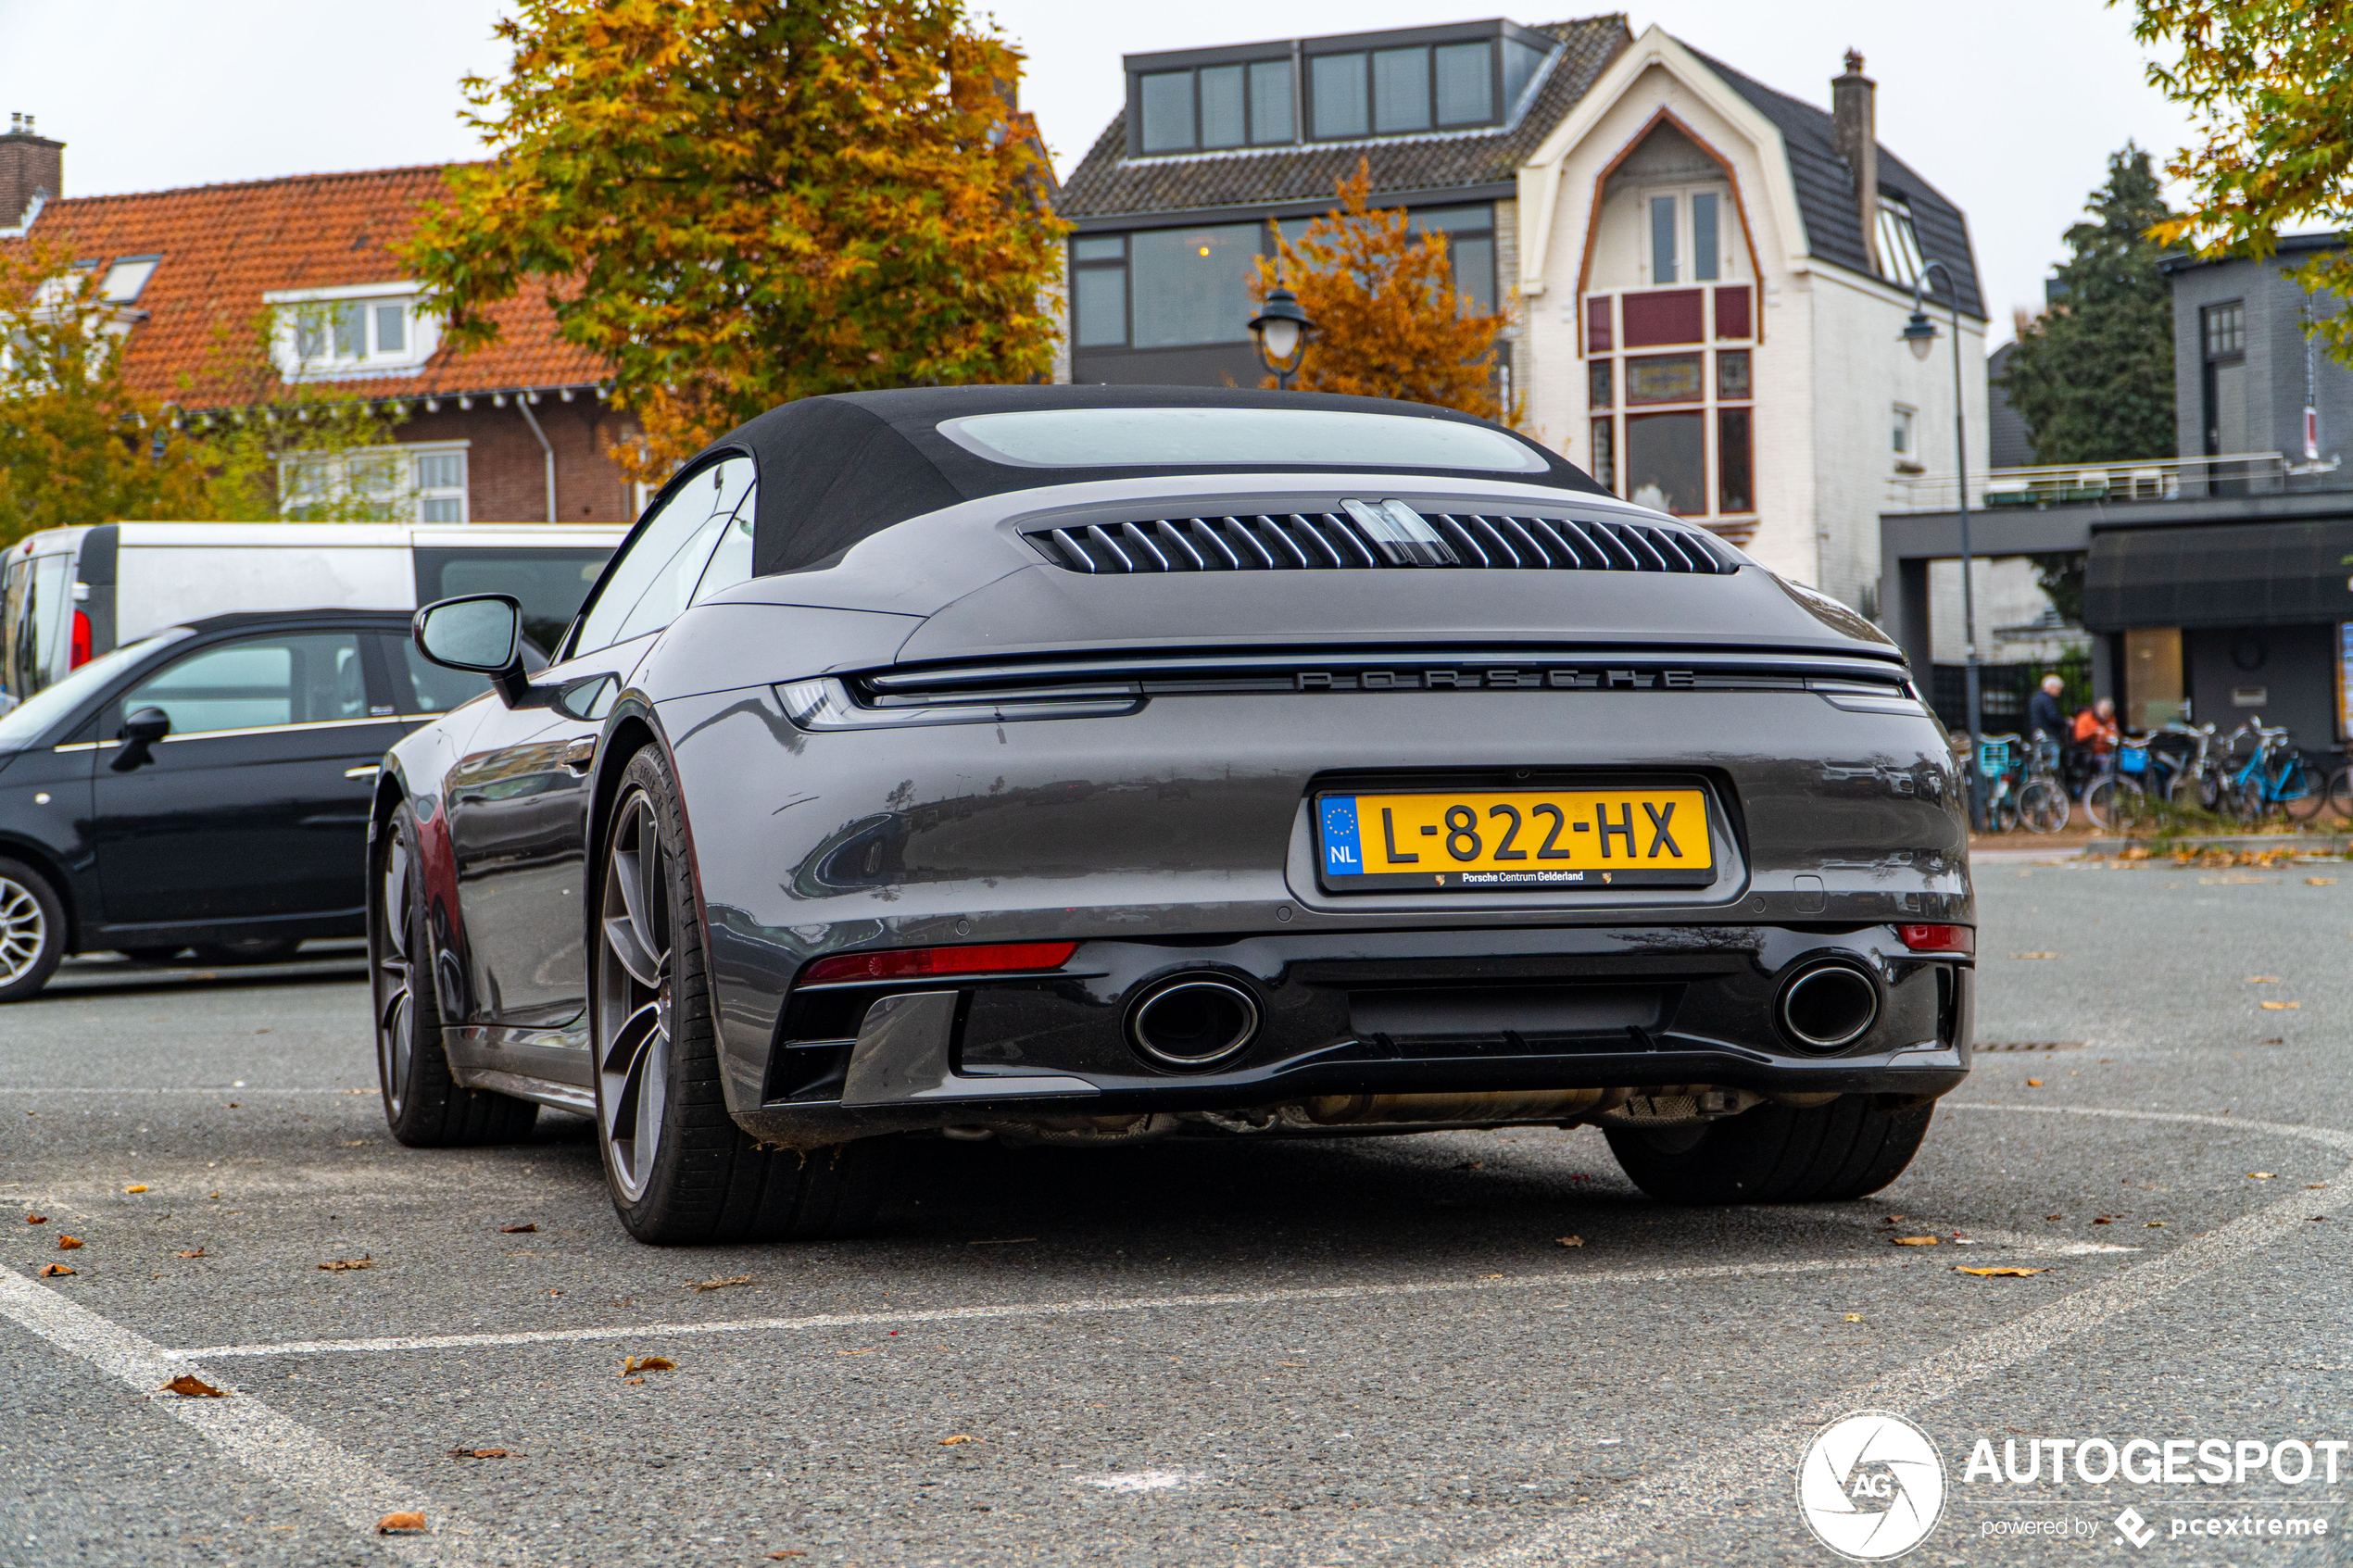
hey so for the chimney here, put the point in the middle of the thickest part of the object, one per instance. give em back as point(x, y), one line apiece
point(32, 171)
point(1854, 131)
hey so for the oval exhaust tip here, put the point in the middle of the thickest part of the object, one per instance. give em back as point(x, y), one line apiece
point(1193, 1023)
point(1828, 1006)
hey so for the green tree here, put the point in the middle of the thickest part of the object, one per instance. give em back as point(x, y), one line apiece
point(2267, 82)
point(736, 203)
point(1389, 319)
point(2094, 377)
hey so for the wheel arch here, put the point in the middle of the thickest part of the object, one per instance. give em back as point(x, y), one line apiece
point(41, 858)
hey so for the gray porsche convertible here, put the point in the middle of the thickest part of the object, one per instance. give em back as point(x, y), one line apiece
point(1088, 765)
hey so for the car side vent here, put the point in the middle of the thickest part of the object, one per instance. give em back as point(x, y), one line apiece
point(1368, 536)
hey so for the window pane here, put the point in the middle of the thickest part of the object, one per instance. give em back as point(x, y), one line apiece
point(1339, 95)
point(548, 582)
point(731, 562)
point(252, 684)
point(1099, 306)
point(1704, 237)
point(1451, 217)
point(1675, 316)
point(1731, 374)
point(1667, 462)
point(1519, 68)
point(1221, 107)
point(1168, 110)
point(1474, 273)
point(1731, 461)
point(1731, 312)
point(429, 687)
point(1192, 285)
point(1100, 248)
point(1401, 90)
point(441, 471)
point(1606, 454)
point(1663, 378)
point(655, 562)
point(1270, 108)
point(1115, 437)
point(441, 509)
point(1662, 239)
point(1598, 387)
point(350, 330)
point(1466, 84)
point(392, 329)
point(1599, 338)
point(310, 335)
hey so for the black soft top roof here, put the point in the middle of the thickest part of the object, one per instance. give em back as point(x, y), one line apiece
point(834, 470)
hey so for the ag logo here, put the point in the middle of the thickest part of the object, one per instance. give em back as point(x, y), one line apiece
point(1872, 1486)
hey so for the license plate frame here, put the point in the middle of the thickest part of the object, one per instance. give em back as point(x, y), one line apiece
point(1663, 834)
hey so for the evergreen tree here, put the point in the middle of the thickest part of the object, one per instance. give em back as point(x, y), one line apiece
point(2094, 377)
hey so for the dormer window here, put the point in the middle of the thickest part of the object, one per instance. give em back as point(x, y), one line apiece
point(348, 332)
point(1899, 241)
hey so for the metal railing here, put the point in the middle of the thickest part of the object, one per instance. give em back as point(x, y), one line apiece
point(2157, 479)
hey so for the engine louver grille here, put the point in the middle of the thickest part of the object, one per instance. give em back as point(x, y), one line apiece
point(1335, 542)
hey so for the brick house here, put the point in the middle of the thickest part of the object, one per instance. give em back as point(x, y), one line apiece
point(518, 431)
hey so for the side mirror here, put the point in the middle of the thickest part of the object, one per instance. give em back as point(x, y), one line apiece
point(141, 729)
point(481, 633)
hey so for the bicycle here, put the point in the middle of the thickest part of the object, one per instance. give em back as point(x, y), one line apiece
point(2123, 794)
point(1994, 761)
point(2043, 805)
point(2274, 778)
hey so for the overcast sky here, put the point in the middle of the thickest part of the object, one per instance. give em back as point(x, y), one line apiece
point(2010, 107)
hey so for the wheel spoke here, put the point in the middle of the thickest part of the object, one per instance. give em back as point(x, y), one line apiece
point(621, 940)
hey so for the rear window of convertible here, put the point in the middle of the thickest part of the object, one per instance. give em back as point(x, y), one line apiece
point(1087, 438)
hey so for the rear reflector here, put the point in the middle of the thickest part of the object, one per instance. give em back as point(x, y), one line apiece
point(905, 963)
point(1938, 939)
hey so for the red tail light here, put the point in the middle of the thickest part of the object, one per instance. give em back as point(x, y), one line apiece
point(1938, 939)
point(81, 655)
point(909, 963)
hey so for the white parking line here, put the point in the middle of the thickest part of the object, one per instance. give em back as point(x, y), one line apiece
point(316, 1471)
point(1638, 1520)
point(1035, 1309)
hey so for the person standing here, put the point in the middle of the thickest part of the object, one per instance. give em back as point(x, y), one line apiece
point(2043, 712)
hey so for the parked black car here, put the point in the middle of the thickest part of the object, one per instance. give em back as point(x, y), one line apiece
point(1098, 764)
point(207, 786)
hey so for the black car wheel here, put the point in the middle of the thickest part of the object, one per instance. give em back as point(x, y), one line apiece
point(423, 1105)
point(1775, 1154)
point(679, 1168)
point(32, 930)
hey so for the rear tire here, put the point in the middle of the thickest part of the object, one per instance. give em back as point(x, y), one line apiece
point(32, 930)
point(1774, 1154)
point(2112, 803)
point(424, 1106)
point(680, 1170)
point(2042, 806)
point(2305, 791)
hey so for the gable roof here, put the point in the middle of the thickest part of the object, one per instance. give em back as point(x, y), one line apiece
point(1107, 183)
point(224, 247)
point(1826, 189)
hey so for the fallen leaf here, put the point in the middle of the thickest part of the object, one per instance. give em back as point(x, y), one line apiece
point(36, 1219)
point(343, 1265)
point(633, 1380)
point(2314, 1186)
point(197, 1253)
point(2154, 1225)
point(518, 1230)
point(780, 1556)
point(2318, 1217)
point(959, 1437)
point(2262, 980)
point(188, 1386)
point(2102, 1219)
point(2320, 882)
point(1891, 1218)
point(54, 1271)
point(401, 1524)
point(2034, 1082)
point(68, 1243)
point(1490, 1276)
point(1854, 1317)
point(2279, 1007)
point(141, 1188)
point(1571, 1240)
point(869, 1352)
point(1913, 1240)
point(718, 1283)
point(1999, 1272)
point(648, 1363)
point(2054, 1216)
point(2034, 955)
point(478, 1453)
point(2258, 1175)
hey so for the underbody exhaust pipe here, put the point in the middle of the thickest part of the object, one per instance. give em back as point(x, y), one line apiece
point(1828, 1006)
point(1193, 1023)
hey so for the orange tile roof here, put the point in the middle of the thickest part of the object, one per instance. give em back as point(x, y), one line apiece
point(225, 246)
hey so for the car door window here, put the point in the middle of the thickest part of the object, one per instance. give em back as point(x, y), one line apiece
point(656, 575)
point(731, 562)
point(259, 682)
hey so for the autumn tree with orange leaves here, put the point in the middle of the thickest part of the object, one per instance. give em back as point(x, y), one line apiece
point(738, 203)
point(1390, 320)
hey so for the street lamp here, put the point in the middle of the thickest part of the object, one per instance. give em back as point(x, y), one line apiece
point(1281, 330)
point(1919, 337)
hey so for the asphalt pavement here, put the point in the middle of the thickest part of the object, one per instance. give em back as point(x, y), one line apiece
point(1361, 1351)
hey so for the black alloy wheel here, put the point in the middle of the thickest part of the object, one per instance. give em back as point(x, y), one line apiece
point(1775, 1153)
point(679, 1168)
point(32, 930)
point(424, 1106)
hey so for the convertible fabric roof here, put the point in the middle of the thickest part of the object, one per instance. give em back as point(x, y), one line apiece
point(834, 470)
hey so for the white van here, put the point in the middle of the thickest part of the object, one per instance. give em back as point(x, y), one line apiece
point(67, 595)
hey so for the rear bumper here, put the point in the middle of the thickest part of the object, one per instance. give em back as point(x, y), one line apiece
point(1626, 1012)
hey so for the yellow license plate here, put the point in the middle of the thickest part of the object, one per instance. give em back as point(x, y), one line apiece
point(1564, 838)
